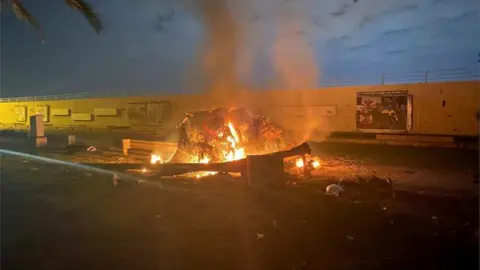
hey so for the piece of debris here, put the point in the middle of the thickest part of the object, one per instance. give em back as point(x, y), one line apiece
point(158, 216)
point(274, 224)
point(349, 237)
point(25, 161)
point(434, 218)
point(384, 208)
point(91, 149)
point(334, 189)
point(87, 174)
point(115, 179)
point(260, 236)
point(34, 169)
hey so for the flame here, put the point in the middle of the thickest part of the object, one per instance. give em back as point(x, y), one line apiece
point(233, 132)
point(154, 159)
point(204, 160)
point(299, 163)
point(314, 162)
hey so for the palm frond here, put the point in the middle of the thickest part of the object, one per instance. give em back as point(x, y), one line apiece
point(22, 14)
point(87, 11)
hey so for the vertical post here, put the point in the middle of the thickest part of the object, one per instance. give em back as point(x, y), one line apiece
point(306, 172)
point(383, 79)
point(37, 132)
point(426, 76)
point(71, 139)
point(126, 144)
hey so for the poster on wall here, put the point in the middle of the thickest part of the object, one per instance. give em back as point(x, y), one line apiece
point(384, 111)
point(45, 111)
point(151, 111)
point(20, 113)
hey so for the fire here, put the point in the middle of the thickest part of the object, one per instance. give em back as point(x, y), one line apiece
point(233, 131)
point(154, 159)
point(235, 153)
point(299, 163)
point(315, 163)
point(204, 160)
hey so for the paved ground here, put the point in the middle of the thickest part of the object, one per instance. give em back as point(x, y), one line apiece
point(54, 217)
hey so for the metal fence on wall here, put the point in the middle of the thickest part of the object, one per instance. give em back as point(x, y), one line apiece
point(426, 76)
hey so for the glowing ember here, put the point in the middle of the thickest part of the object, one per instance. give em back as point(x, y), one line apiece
point(204, 160)
point(299, 163)
point(316, 164)
point(144, 170)
point(203, 174)
point(154, 159)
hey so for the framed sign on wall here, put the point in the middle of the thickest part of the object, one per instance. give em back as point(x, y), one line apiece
point(384, 112)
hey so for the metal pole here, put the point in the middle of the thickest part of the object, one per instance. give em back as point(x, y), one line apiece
point(383, 79)
point(426, 76)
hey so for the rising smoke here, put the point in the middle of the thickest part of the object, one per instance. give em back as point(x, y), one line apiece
point(222, 39)
point(290, 50)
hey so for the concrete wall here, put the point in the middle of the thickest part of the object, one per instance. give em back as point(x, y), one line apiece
point(438, 108)
point(457, 117)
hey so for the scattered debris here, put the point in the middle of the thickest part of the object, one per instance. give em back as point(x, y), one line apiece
point(434, 218)
point(158, 216)
point(349, 237)
point(87, 174)
point(115, 179)
point(384, 208)
point(91, 149)
point(34, 169)
point(25, 161)
point(334, 189)
point(274, 224)
point(260, 236)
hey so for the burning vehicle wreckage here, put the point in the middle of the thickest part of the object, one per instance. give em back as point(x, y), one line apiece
point(230, 140)
point(224, 135)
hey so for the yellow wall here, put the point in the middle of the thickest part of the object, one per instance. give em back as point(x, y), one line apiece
point(458, 117)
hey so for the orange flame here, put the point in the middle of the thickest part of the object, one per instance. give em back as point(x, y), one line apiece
point(299, 163)
point(154, 159)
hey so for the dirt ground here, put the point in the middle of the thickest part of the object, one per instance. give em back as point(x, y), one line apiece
point(58, 217)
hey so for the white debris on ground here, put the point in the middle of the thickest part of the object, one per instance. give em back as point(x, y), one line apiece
point(334, 189)
point(115, 179)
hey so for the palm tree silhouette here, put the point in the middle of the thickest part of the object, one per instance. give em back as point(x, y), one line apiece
point(80, 5)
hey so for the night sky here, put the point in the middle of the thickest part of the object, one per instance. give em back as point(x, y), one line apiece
point(147, 48)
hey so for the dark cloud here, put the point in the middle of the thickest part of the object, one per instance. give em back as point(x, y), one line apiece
point(467, 15)
point(162, 19)
point(342, 10)
point(397, 51)
point(389, 12)
point(400, 31)
point(358, 47)
point(336, 41)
